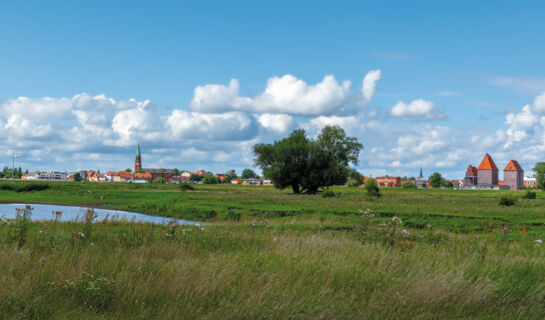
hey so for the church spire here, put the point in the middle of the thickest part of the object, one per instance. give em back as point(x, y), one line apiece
point(138, 150)
point(138, 160)
point(421, 175)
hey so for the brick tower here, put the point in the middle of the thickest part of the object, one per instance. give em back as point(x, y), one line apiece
point(138, 161)
point(513, 175)
point(487, 173)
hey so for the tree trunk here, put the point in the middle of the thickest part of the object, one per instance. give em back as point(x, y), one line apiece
point(295, 188)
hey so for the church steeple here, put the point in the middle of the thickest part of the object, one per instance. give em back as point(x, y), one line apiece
point(138, 160)
point(421, 176)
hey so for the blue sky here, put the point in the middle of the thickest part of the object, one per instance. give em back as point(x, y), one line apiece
point(453, 83)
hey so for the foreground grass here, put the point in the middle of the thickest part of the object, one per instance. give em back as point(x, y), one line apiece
point(238, 271)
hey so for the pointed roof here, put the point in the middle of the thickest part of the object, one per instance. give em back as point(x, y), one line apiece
point(471, 171)
point(513, 165)
point(138, 150)
point(487, 163)
point(420, 173)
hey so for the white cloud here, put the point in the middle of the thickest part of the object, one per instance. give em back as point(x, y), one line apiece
point(286, 95)
point(539, 103)
point(215, 97)
point(525, 84)
point(278, 123)
point(370, 83)
point(416, 109)
point(210, 126)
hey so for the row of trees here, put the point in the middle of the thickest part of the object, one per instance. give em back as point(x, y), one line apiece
point(8, 173)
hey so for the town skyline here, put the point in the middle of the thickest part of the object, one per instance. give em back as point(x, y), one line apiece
point(79, 92)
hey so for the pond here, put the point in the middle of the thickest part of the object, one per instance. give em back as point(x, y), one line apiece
point(42, 212)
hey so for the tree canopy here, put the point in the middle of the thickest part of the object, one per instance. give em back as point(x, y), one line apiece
point(436, 180)
point(307, 165)
point(539, 169)
point(248, 174)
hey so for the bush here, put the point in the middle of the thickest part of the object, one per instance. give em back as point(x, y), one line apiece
point(408, 185)
point(186, 186)
point(233, 216)
point(328, 194)
point(507, 201)
point(353, 183)
point(159, 180)
point(530, 195)
point(371, 188)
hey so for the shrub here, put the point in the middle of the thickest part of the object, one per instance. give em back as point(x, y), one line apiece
point(507, 201)
point(328, 194)
point(408, 185)
point(89, 291)
point(21, 225)
point(371, 188)
point(159, 180)
point(27, 187)
point(233, 216)
point(530, 195)
point(186, 186)
point(353, 183)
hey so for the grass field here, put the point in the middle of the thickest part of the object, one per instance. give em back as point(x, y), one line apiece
point(273, 255)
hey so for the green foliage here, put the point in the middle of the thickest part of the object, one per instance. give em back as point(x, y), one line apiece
point(539, 169)
point(186, 187)
point(248, 174)
point(229, 175)
point(195, 177)
point(328, 193)
point(128, 170)
point(436, 180)
point(408, 184)
point(77, 176)
point(210, 179)
point(233, 216)
point(530, 195)
point(450, 185)
point(507, 200)
point(25, 187)
point(353, 183)
point(306, 165)
point(21, 225)
point(371, 188)
point(159, 180)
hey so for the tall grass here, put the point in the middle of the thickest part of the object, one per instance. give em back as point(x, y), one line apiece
point(262, 270)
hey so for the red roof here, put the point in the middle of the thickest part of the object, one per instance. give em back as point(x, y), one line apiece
point(142, 175)
point(513, 165)
point(471, 171)
point(487, 163)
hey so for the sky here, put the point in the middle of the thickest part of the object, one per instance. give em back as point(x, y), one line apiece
point(429, 84)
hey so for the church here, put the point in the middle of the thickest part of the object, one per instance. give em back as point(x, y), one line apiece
point(154, 173)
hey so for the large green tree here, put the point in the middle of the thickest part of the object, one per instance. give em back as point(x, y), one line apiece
point(539, 169)
point(307, 165)
point(248, 174)
point(436, 180)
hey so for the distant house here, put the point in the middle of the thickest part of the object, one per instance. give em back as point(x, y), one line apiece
point(220, 176)
point(178, 179)
point(161, 173)
point(388, 182)
point(141, 177)
point(234, 181)
point(529, 182)
point(120, 176)
point(96, 177)
point(34, 175)
point(513, 175)
point(458, 183)
point(487, 172)
point(185, 174)
point(53, 175)
point(201, 173)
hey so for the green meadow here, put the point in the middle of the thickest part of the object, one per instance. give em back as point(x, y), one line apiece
point(262, 253)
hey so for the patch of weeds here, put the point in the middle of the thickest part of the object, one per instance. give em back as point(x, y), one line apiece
point(328, 194)
point(530, 195)
point(186, 187)
point(21, 225)
point(88, 290)
point(507, 200)
point(233, 216)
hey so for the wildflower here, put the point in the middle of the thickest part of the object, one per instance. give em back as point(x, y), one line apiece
point(405, 232)
point(539, 241)
point(202, 229)
point(81, 235)
point(254, 223)
point(275, 238)
point(397, 220)
point(92, 244)
point(382, 226)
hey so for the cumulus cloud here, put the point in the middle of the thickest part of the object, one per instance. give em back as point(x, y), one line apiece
point(370, 83)
point(277, 123)
point(416, 110)
point(209, 126)
point(285, 95)
point(539, 103)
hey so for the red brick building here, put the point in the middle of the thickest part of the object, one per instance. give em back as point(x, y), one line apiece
point(513, 175)
point(471, 176)
point(487, 173)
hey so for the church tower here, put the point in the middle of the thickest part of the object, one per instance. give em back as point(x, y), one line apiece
point(138, 161)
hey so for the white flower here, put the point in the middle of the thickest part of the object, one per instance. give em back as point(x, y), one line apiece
point(539, 241)
point(405, 232)
point(81, 235)
point(254, 223)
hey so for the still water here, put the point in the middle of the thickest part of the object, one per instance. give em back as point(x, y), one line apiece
point(42, 212)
